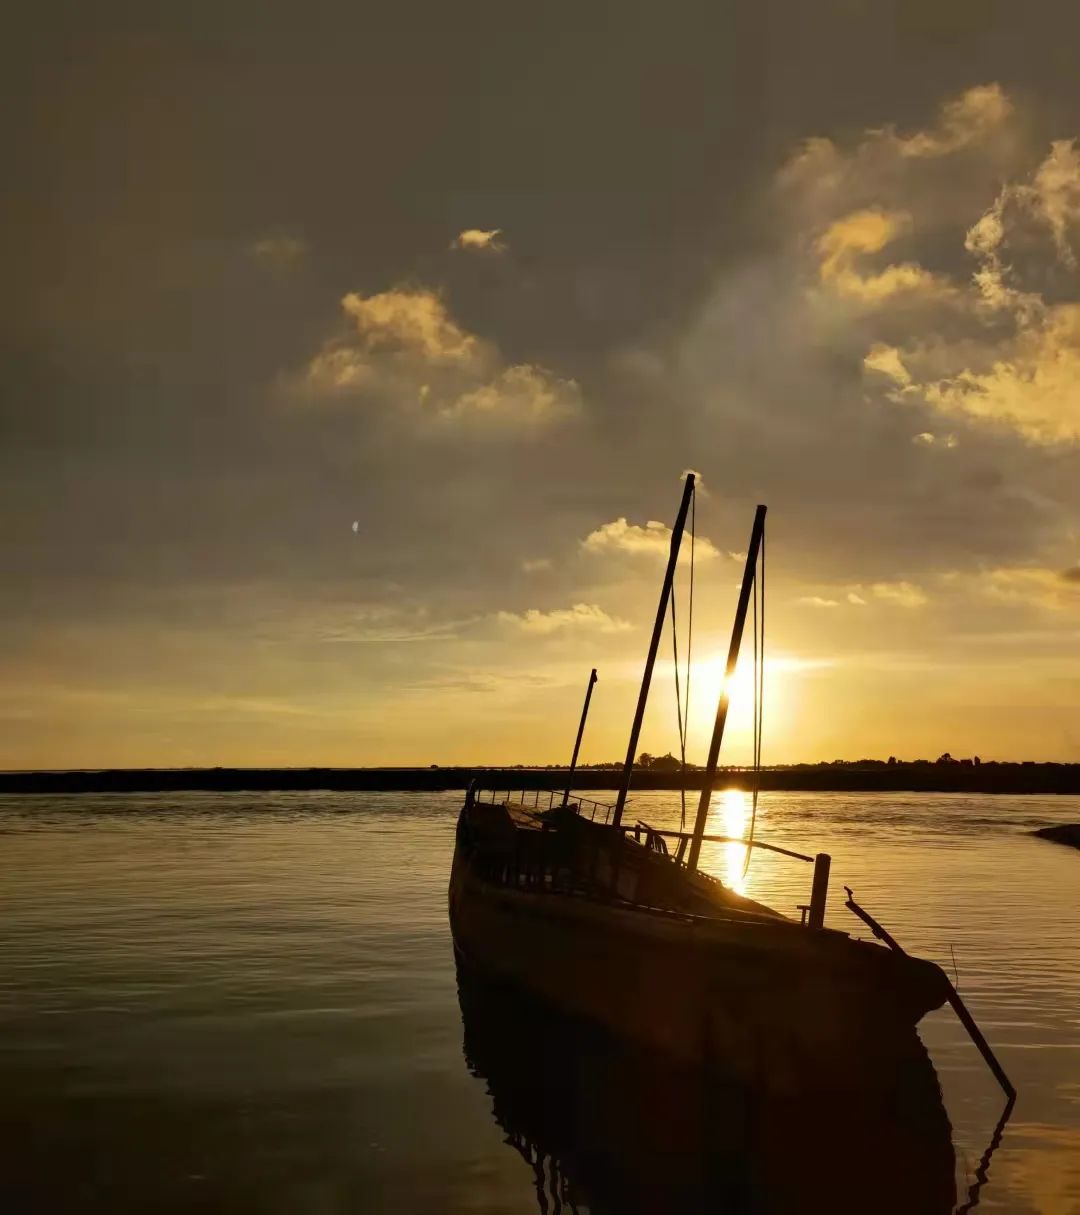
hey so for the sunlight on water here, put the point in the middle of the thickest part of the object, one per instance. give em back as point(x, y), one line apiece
point(735, 808)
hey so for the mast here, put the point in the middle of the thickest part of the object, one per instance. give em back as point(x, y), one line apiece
point(722, 708)
point(577, 741)
point(650, 660)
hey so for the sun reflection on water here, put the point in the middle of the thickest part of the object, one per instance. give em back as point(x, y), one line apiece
point(736, 815)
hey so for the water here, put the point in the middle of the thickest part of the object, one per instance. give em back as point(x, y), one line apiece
point(233, 1003)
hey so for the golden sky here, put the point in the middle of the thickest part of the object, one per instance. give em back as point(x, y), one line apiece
point(353, 363)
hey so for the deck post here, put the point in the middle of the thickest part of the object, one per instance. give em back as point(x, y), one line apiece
point(654, 645)
point(749, 573)
point(819, 891)
point(577, 741)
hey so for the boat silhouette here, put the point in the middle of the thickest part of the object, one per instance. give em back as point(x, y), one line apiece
point(616, 922)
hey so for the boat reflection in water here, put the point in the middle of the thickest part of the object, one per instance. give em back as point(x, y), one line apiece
point(611, 1127)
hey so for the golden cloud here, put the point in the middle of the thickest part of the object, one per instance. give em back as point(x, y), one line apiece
point(582, 616)
point(652, 540)
point(1033, 386)
point(866, 232)
point(523, 393)
point(479, 240)
point(1051, 588)
point(411, 322)
point(887, 361)
point(405, 348)
point(965, 120)
point(902, 594)
point(993, 350)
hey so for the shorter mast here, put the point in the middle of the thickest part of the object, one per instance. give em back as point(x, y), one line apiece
point(577, 741)
point(650, 660)
point(749, 573)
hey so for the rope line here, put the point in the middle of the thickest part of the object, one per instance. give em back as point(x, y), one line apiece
point(683, 713)
point(759, 702)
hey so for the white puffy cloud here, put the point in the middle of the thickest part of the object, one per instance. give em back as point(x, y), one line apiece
point(581, 617)
point(652, 540)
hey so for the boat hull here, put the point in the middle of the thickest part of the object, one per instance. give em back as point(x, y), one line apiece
point(772, 1003)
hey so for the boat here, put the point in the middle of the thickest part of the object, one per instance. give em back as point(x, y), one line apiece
point(614, 921)
point(608, 1126)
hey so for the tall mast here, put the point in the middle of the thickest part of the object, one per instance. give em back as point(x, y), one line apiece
point(722, 708)
point(650, 661)
point(577, 741)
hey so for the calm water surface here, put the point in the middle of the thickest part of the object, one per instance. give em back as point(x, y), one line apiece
point(234, 1003)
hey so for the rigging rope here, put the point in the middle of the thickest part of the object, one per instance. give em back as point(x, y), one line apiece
point(683, 712)
point(759, 703)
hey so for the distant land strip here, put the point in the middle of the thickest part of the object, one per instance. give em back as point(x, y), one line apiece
point(900, 777)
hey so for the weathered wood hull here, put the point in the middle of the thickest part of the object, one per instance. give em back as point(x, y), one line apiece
point(782, 1006)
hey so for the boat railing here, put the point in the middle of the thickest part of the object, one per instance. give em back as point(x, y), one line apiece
point(545, 799)
point(539, 867)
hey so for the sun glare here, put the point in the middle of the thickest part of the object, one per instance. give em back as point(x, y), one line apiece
point(706, 684)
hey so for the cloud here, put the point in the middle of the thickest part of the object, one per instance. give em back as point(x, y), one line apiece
point(523, 395)
point(824, 179)
point(902, 594)
point(652, 540)
point(996, 343)
point(1031, 385)
point(818, 601)
point(403, 348)
point(582, 616)
point(280, 252)
point(411, 322)
point(1031, 584)
point(926, 438)
point(965, 120)
point(866, 232)
point(478, 240)
point(536, 565)
point(887, 361)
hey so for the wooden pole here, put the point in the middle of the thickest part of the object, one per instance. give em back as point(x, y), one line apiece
point(577, 741)
point(819, 890)
point(722, 707)
point(654, 644)
point(952, 995)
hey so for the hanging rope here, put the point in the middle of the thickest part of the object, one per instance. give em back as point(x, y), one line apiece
point(683, 710)
point(759, 702)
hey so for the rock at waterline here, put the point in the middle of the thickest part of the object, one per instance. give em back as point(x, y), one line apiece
point(1067, 833)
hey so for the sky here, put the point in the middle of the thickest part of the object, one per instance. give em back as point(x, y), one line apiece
point(353, 356)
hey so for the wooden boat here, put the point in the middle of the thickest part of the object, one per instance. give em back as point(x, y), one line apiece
point(605, 921)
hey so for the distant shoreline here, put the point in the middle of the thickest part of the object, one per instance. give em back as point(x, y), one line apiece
point(989, 778)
